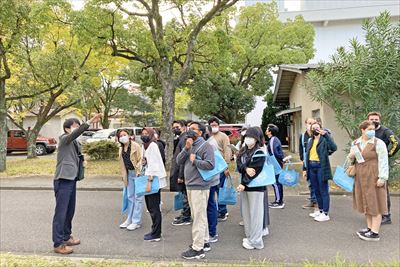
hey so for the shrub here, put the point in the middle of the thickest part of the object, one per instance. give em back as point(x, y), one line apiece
point(101, 150)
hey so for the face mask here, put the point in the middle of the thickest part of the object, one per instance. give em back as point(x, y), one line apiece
point(315, 133)
point(124, 139)
point(377, 124)
point(192, 134)
point(370, 134)
point(177, 132)
point(215, 129)
point(145, 139)
point(249, 141)
point(243, 133)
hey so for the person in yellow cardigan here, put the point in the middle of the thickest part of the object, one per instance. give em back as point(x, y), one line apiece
point(130, 160)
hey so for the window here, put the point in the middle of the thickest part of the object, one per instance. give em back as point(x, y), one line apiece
point(228, 133)
point(138, 131)
point(19, 134)
point(316, 113)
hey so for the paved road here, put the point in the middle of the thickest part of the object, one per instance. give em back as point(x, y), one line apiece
point(26, 228)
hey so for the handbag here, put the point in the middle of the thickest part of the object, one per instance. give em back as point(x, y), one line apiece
point(343, 180)
point(266, 176)
point(146, 185)
point(227, 194)
point(124, 207)
point(220, 165)
point(178, 201)
point(289, 177)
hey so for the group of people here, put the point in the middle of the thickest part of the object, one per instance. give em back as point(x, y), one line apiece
point(195, 145)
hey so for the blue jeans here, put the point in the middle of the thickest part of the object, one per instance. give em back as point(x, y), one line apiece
point(313, 198)
point(65, 193)
point(321, 187)
point(222, 210)
point(135, 203)
point(212, 211)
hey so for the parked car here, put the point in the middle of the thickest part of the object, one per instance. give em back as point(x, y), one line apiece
point(105, 134)
point(232, 131)
point(85, 136)
point(16, 141)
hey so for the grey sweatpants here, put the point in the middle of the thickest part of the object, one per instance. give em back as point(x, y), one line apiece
point(253, 217)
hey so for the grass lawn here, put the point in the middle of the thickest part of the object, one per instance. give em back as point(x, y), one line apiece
point(46, 166)
point(8, 259)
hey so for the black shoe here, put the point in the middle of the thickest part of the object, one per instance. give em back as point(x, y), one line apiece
point(193, 254)
point(277, 205)
point(182, 221)
point(369, 236)
point(149, 237)
point(363, 231)
point(222, 218)
point(386, 219)
point(206, 247)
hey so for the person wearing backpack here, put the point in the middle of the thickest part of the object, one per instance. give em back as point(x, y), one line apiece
point(274, 148)
point(197, 154)
point(252, 198)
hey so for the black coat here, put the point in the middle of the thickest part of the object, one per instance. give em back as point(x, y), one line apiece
point(177, 171)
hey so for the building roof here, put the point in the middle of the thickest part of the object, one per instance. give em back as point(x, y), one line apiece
point(284, 82)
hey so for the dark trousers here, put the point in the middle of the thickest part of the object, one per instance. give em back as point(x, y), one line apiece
point(266, 209)
point(222, 210)
point(186, 215)
point(278, 190)
point(313, 198)
point(212, 211)
point(153, 206)
point(65, 193)
point(321, 187)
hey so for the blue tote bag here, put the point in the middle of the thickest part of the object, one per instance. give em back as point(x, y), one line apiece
point(178, 201)
point(220, 165)
point(272, 160)
point(227, 194)
point(289, 177)
point(266, 176)
point(343, 180)
point(146, 186)
point(124, 207)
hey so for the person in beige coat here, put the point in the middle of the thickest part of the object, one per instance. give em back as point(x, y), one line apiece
point(130, 160)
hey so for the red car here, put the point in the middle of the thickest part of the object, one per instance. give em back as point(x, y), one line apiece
point(232, 131)
point(16, 141)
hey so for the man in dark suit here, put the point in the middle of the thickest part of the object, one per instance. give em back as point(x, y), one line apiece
point(65, 179)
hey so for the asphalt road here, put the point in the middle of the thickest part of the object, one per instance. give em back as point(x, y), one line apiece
point(26, 218)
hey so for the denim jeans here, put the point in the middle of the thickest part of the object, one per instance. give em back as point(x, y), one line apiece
point(222, 210)
point(135, 203)
point(313, 198)
point(212, 211)
point(321, 187)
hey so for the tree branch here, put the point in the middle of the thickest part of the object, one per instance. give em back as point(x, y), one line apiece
point(3, 57)
point(34, 94)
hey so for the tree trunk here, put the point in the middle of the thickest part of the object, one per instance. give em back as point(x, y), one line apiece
point(104, 120)
point(168, 115)
point(31, 138)
point(3, 125)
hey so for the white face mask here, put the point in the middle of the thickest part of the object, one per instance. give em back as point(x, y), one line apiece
point(249, 141)
point(243, 133)
point(124, 139)
point(215, 129)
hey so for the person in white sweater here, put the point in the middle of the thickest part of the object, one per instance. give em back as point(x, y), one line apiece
point(153, 166)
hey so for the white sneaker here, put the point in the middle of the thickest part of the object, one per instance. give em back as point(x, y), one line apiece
point(265, 231)
point(316, 213)
point(124, 224)
point(133, 226)
point(322, 218)
point(246, 244)
point(241, 223)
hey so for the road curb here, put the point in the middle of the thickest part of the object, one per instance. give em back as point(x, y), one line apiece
point(341, 193)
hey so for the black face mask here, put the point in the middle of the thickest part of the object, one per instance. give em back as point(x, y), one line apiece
point(145, 139)
point(315, 133)
point(191, 134)
point(376, 123)
point(177, 131)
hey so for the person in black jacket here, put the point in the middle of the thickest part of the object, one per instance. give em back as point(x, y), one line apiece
point(161, 144)
point(177, 182)
point(393, 145)
point(252, 198)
